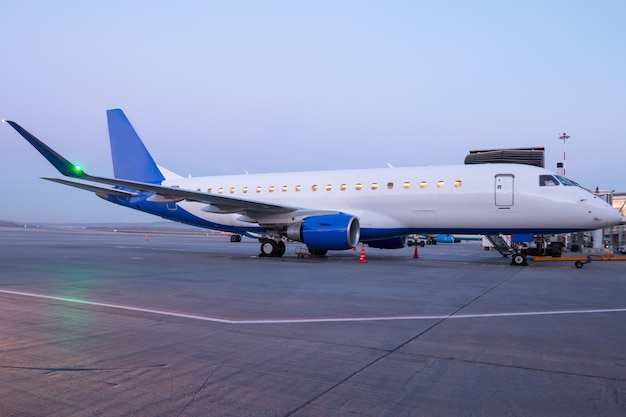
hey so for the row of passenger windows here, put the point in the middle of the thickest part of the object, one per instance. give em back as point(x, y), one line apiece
point(328, 187)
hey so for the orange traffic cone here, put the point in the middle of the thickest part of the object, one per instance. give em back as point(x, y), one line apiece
point(147, 238)
point(362, 257)
point(415, 255)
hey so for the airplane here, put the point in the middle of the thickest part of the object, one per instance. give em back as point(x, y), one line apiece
point(338, 209)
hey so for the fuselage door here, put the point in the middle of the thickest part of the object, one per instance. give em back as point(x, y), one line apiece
point(504, 190)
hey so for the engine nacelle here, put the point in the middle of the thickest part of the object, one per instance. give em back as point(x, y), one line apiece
point(397, 242)
point(327, 232)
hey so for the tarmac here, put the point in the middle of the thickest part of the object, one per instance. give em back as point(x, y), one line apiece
point(119, 324)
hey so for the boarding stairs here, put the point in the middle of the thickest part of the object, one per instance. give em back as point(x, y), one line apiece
point(500, 244)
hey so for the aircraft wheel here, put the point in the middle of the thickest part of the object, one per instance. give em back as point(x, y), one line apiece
point(518, 259)
point(269, 247)
point(280, 250)
point(235, 238)
point(579, 264)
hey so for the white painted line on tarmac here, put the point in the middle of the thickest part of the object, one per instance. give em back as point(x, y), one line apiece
point(311, 320)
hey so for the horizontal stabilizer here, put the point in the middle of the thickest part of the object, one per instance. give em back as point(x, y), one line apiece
point(94, 188)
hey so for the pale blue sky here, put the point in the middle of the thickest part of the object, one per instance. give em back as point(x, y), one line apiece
point(268, 86)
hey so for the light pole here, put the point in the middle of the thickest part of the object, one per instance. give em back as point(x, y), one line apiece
point(564, 136)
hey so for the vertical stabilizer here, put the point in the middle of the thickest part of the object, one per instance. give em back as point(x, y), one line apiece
point(131, 159)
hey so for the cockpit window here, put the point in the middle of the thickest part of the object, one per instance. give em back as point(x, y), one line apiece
point(547, 180)
point(566, 181)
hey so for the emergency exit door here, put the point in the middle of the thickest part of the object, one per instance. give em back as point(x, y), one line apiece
point(504, 190)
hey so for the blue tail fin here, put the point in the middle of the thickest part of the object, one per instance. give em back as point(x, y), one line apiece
point(131, 159)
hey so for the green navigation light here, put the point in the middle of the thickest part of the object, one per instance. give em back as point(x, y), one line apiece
point(78, 169)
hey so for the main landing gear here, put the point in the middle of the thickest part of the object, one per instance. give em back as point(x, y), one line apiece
point(272, 248)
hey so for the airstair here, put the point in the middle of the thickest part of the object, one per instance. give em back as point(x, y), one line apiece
point(500, 244)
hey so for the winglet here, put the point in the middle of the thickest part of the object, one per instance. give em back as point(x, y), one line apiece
point(64, 166)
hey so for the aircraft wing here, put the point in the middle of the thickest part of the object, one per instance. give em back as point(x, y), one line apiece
point(163, 194)
point(95, 188)
point(221, 203)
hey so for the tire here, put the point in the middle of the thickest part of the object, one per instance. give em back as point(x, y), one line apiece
point(555, 249)
point(280, 250)
point(518, 259)
point(269, 247)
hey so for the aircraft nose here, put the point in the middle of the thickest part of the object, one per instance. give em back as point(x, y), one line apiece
point(611, 217)
point(604, 214)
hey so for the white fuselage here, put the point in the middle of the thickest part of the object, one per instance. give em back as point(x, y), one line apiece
point(486, 198)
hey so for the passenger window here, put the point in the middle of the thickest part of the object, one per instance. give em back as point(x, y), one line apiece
point(329, 187)
point(271, 189)
point(547, 180)
point(374, 186)
point(343, 187)
point(358, 186)
point(259, 189)
point(245, 190)
point(284, 189)
point(423, 184)
point(298, 187)
point(232, 190)
point(440, 184)
point(406, 185)
point(390, 185)
point(314, 187)
point(458, 183)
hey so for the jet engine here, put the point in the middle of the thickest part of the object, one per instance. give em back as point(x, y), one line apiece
point(327, 232)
